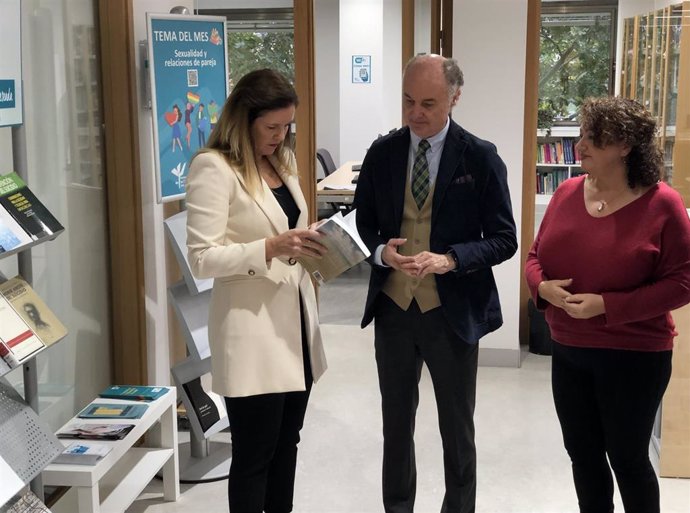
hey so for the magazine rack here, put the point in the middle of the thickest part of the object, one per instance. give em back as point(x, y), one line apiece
point(201, 459)
point(40, 453)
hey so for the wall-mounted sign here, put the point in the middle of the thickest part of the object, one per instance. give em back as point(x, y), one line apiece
point(10, 63)
point(189, 84)
point(361, 69)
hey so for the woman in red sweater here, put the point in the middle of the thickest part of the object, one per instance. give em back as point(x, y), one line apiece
point(610, 261)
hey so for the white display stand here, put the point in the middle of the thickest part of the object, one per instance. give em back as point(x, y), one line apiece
point(201, 460)
point(176, 228)
point(113, 483)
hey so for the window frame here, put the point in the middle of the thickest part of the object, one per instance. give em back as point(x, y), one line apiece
point(585, 7)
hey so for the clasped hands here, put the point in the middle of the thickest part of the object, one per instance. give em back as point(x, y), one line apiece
point(417, 266)
point(296, 243)
point(578, 306)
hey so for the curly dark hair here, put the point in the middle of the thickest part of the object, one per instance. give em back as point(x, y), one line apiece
point(620, 120)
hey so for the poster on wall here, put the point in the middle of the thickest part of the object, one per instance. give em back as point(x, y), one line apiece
point(361, 69)
point(10, 64)
point(188, 68)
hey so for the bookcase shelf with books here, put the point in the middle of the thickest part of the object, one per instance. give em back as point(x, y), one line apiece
point(557, 159)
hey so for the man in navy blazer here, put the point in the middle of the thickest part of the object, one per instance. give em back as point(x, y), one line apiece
point(433, 207)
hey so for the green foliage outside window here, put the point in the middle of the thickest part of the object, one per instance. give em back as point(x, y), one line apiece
point(574, 63)
point(248, 51)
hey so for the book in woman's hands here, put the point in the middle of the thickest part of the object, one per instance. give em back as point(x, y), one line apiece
point(79, 453)
point(345, 248)
point(95, 431)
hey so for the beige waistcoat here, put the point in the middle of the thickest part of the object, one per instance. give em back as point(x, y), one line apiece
point(416, 228)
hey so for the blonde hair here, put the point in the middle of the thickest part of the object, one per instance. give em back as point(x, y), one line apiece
point(255, 94)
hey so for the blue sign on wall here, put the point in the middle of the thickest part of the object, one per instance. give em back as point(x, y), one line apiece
point(10, 63)
point(189, 84)
point(361, 69)
point(7, 94)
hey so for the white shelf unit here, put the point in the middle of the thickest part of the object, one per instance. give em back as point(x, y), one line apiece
point(113, 483)
point(556, 160)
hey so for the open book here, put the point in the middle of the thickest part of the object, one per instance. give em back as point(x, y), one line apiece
point(345, 248)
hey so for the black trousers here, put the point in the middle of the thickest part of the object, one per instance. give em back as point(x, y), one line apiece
point(606, 401)
point(265, 433)
point(404, 340)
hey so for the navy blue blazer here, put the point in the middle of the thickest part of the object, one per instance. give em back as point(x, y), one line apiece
point(471, 215)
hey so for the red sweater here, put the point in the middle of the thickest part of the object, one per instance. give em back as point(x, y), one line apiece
point(637, 258)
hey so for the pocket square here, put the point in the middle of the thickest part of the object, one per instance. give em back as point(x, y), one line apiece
point(463, 179)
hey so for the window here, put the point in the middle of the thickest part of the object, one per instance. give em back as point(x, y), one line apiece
point(258, 38)
point(576, 58)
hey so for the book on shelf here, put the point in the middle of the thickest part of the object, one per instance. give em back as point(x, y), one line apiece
point(33, 310)
point(345, 248)
point(113, 411)
point(79, 453)
point(26, 502)
point(95, 431)
point(26, 208)
point(12, 235)
point(205, 409)
point(133, 392)
point(18, 342)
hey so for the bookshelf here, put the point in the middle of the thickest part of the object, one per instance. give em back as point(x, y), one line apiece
point(557, 161)
point(655, 71)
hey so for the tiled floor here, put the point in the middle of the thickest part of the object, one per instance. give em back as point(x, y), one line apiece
point(522, 467)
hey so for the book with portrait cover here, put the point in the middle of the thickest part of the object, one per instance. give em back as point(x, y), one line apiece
point(18, 342)
point(26, 208)
point(33, 310)
point(345, 248)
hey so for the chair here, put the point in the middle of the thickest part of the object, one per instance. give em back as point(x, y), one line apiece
point(324, 157)
point(328, 166)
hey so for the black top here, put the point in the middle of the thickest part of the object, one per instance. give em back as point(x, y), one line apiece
point(287, 203)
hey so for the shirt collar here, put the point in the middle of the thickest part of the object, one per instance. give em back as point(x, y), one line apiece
point(435, 141)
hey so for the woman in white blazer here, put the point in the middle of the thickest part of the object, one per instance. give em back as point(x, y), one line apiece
point(246, 224)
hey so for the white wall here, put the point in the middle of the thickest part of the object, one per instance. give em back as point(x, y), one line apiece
point(492, 107)
point(327, 79)
point(157, 338)
point(369, 109)
point(422, 26)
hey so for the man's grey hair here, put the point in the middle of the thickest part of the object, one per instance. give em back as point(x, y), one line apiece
point(454, 76)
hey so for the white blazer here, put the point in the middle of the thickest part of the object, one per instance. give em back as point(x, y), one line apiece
point(254, 319)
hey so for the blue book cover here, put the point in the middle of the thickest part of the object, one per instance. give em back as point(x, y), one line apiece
point(137, 393)
point(113, 411)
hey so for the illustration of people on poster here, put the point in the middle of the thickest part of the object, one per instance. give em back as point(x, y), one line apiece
point(188, 67)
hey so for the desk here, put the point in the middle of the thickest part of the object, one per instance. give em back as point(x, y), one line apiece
point(125, 471)
point(338, 187)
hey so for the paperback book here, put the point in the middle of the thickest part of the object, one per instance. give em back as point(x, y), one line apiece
point(95, 431)
point(204, 407)
point(17, 340)
point(26, 209)
point(79, 453)
point(138, 392)
point(12, 235)
point(113, 411)
point(345, 248)
point(33, 310)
